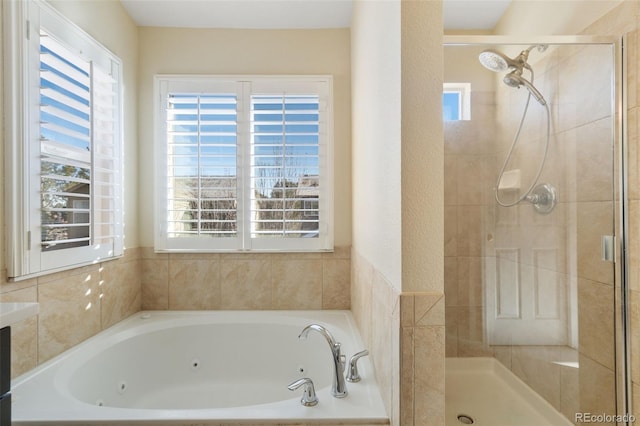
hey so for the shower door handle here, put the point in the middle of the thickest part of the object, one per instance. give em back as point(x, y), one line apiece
point(609, 248)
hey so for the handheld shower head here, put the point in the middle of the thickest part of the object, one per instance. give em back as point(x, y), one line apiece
point(515, 79)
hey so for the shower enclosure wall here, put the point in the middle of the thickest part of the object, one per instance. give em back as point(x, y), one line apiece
point(526, 287)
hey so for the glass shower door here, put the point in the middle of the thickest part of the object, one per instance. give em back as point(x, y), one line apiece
point(530, 204)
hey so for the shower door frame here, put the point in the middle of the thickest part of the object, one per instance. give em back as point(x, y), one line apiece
point(620, 190)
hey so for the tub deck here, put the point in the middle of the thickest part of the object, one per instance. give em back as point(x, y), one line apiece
point(75, 387)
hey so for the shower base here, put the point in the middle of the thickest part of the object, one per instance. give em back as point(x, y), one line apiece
point(482, 392)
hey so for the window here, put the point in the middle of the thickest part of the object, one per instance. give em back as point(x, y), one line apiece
point(64, 143)
point(456, 101)
point(244, 163)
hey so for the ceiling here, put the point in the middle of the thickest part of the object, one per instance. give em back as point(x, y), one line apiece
point(292, 14)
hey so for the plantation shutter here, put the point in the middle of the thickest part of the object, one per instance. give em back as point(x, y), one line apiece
point(201, 165)
point(63, 150)
point(65, 135)
point(244, 163)
point(285, 191)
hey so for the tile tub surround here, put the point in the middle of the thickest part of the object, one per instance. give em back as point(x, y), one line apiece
point(405, 331)
point(73, 306)
point(246, 281)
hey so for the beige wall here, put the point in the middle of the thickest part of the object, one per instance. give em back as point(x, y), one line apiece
point(377, 136)
point(69, 312)
point(248, 281)
point(253, 52)
point(552, 17)
point(397, 257)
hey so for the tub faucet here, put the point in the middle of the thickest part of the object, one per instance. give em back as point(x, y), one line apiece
point(309, 398)
point(353, 376)
point(339, 387)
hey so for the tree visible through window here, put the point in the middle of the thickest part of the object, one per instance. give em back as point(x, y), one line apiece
point(63, 134)
point(245, 165)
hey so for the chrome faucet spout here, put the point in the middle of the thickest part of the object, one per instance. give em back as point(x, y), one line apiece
point(339, 387)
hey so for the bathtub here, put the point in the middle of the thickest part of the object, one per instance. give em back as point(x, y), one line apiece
point(197, 368)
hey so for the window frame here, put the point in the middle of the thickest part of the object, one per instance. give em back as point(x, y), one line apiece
point(244, 86)
point(463, 90)
point(22, 23)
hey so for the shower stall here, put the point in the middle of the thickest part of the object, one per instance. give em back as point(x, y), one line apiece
point(535, 223)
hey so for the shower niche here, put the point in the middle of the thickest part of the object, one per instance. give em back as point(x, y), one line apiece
point(531, 191)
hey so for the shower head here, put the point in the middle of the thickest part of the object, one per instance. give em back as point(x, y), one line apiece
point(515, 79)
point(496, 61)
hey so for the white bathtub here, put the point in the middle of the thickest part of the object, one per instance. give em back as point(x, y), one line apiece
point(200, 368)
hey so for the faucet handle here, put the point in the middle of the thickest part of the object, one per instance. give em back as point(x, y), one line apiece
point(353, 376)
point(309, 398)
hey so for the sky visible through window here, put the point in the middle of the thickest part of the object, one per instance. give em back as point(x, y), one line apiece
point(451, 106)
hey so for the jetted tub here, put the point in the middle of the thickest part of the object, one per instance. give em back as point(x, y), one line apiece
point(199, 368)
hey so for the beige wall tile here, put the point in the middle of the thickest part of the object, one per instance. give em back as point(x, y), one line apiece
point(24, 334)
point(534, 365)
point(69, 311)
point(471, 333)
point(194, 283)
point(155, 283)
point(407, 382)
point(451, 281)
point(569, 391)
point(339, 252)
point(407, 310)
point(634, 319)
point(382, 345)
point(476, 178)
point(297, 283)
point(7, 287)
point(451, 331)
point(475, 224)
point(120, 291)
point(634, 244)
point(451, 180)
point(594, 161)
point(429, 309)
point(361, 295)
point(429, 384)
point(597, 388)
point(633, 153)
point(631, 49)
point(578, 106)
point(594, 220)
point(336, 284)
point(450, 231)
point(596, 322)
point(246, 284)
point(635, 405)
point(470, 281)
point(149, 253)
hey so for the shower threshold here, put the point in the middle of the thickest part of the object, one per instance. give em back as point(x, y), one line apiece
point(483, 392)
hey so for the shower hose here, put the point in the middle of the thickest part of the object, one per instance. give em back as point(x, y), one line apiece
point(511, 149)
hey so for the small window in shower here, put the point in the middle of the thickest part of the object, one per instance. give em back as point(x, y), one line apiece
point(456, 101)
